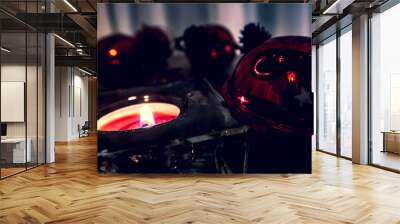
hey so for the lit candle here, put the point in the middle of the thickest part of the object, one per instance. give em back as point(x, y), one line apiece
point(138, 116)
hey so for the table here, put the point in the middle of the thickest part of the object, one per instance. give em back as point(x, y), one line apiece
point(13, 150)
point(391, 141)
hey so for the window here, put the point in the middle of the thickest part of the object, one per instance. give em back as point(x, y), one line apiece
point(327, 96)
point(346, 92)
point(385, 89)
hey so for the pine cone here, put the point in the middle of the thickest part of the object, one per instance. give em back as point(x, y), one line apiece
point(253, 35)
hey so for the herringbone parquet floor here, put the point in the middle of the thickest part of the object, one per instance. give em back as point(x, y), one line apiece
point(71, 191)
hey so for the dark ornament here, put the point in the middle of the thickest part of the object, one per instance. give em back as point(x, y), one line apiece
point(270, 88)
point(126, 62)
point(210, 50)
point(253, 34)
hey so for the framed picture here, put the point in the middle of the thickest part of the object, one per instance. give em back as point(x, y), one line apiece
point(218, 88)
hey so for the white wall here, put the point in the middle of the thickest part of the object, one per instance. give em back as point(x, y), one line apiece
point(16, 73)
point(33, 127)
point(71, 102)
point(61, 103)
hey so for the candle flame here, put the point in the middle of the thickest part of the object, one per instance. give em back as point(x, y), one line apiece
point(146, 117)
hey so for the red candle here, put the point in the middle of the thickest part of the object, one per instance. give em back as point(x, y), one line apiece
point(136, 116)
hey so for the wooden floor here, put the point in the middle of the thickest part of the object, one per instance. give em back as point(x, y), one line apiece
point(386, 159)
point(10, 171)
point(71, 191)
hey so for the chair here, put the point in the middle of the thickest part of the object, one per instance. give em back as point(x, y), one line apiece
point(84, 130)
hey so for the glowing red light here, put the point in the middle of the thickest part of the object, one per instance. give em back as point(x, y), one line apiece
point(213, 53)
point(243, 99)
point(291, 76)
point(281, 59)
point(258, 73)
point(112, 52)
point(228, 48)
point(115, 62)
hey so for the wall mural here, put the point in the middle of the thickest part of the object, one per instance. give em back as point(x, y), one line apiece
point(204, 88)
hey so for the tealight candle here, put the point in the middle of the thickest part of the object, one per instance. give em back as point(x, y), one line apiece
point(142, 115)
